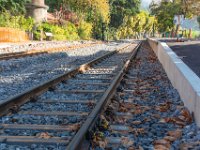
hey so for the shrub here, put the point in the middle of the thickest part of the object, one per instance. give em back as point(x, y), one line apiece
point(67, 32)
point(85, 30)
point(20, 22)
point(71, 31)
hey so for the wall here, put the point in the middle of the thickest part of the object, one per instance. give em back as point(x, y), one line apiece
point(12, 35)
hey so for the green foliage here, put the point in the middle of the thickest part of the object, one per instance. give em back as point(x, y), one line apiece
point(54, 4)
point(92, 10)
point(85, 30)
point(164, 12)
point(95, 12)
point(20, 22)
point(67, 32)
point(121, 9)
point(94, 18)
point(15, 7)
point(71, 31)
point(134, 25)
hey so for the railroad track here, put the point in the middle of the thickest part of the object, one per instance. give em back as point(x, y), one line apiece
point(33, 52)
point(58, 113)
point(145, 112)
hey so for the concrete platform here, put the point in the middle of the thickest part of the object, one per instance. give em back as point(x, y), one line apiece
point(189, 53)
point(181, 76)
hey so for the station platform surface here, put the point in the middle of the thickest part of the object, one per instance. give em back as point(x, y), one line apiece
point(189, 52)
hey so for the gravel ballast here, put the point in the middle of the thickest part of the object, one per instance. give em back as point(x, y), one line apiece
point(146, 112)
point(61, 108)
point(18, 75)
point(6, 48)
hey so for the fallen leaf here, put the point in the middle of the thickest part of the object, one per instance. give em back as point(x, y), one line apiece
point(160, 147)
point(137, 111)
point(156, 116)
point(185, 146)
point(141, 148)
point(170, 138)
point(122, 108)
point(74, 127)
point(176, 133)
point(126, 142)
point(136, 122)
point(138, 131)
point(146, 120)
point(43, 135)
point(163, 107)
point(131, 148)
point(187, 115)
point(102, 144)
point(166, 120)
point(163, 142)
point(120, 120)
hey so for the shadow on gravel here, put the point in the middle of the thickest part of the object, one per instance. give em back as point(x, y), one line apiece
point(18, 75)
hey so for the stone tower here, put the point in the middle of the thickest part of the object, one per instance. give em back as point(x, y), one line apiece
point(38, 10)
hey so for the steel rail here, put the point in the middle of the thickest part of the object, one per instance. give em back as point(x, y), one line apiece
point(78, 139)
point(32, 93)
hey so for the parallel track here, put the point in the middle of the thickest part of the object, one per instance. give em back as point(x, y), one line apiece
point(60, 111)
point(16, 55)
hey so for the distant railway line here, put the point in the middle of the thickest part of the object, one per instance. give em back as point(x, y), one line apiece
point(34, 52)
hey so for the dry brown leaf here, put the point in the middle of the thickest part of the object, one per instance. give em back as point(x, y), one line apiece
point(137, 111)
point(180, 123)
point(129, 105)
point(74, 127)
point(136, 122)
point(122, 108)
point(121, 120)
point(141, 148)
point(43, 135)
point(146, 120)
point(166, 120)
point(176, 133)
point(162, 120)
point(185, 146)
point(164, 107)
point(138, 131)
point(162, 142)
point(160, 147)
point(187, 115)
point(102, 144)
point(131, 148)
point(170, 138)
point(156, 116)
point(126, 142)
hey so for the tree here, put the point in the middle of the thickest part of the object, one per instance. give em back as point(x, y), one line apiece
point(137, 24)
point(96, 12)
point(165, 12)
point(15, 7)
point(191, 7)
point(54, 4)
point(122, 8)
point(89, 9)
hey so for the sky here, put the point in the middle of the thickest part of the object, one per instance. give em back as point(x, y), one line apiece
point(145, 3)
